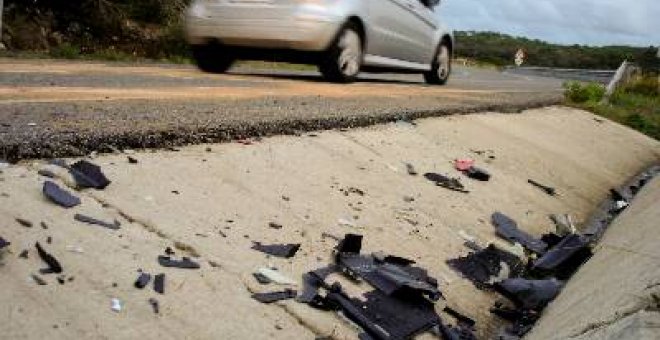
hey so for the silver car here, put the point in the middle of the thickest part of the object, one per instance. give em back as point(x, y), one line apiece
point(342, 37)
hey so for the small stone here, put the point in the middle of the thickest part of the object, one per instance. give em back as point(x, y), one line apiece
point(408, 199)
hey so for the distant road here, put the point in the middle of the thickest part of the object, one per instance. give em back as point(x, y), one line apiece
point(55, 108)
point(600, 76)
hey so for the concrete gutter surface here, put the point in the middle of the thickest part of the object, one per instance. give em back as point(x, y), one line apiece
point(189, 199)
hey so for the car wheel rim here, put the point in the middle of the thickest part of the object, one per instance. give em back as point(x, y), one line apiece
point(349, 57)
point(443, 62)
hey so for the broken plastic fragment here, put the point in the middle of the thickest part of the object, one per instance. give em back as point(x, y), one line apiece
point(159, 283)
point(60, 196)
point(276, 277)
point(563, 224)
point(548, 190)
point(115, 305)
point(478, 173)
point(411, 169)
point(463, 164)
point(142, 280)
point(565, 258)
point(279, 250)
point(154, 305)
point(88, 175)
point(482, 267)
point(262, 279)
point(275, 296)
point(53, 265)
point(39, 280)
point(508, 229)
point(132, 160)
point(24, 222)
point(90, 220)
point(4, 243)
point(529, 294)
point(184, 263)
point(446, 182)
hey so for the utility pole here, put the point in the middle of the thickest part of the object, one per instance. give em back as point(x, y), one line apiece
point(2, 46)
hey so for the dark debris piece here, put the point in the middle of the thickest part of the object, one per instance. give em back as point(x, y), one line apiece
point(478, 173)
point(24, 222)
point(261, 278)
point(508, 229)
point(184, 263)
point(154, 305)
point(88, 175)
point(529, 294)
point(279, 250)
point(522, 321)
point(480, 266)
point(60, 196)
point(274, 225)
point(54, 266)
point(46, 173)
point(446, 182)
point(132, 160)
point(548, 190)
point(411, 169)
point(4, 243)
point(90, 220)
point(142, 280)
point(24, 254)
point(460, 317)
point(159, 283)
point(275, 296)
point(565, 258)
point(39, 280)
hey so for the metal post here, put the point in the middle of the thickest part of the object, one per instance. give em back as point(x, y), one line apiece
point(2, 46)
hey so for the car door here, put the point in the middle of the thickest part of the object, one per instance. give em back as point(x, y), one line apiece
point(400, 29)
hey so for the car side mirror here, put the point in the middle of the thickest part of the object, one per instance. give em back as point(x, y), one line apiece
point(431, 3)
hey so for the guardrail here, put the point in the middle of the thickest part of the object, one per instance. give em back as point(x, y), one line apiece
point(601, 76)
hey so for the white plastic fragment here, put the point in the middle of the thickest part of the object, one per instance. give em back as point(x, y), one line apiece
point(346, 222)
point(276, 277)
point(75, 249)
point(620, 204)
point(116, 305)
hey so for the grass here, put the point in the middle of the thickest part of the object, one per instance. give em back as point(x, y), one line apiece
point(636, 105)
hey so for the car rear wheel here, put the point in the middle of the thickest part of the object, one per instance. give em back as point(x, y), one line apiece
point(441, 66)
point(213, 58)
point(343, 60)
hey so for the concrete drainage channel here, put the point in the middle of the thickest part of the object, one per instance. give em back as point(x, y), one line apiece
point(219, 239)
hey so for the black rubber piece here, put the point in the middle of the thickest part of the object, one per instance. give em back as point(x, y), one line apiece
point(279, 250)
point(88, 175)
point(159, 283)
point(184, 263)
point(142, 280)
point(54, 266)
point(60, 196)
point(274, 296)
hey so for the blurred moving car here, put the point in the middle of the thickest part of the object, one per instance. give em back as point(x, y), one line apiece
point(342, 37)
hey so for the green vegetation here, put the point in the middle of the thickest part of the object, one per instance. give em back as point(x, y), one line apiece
point(636, 104)
point(499, 49)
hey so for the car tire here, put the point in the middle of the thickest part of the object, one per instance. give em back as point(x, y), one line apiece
point(440, 67)
point(343, 60)
point(212, 58)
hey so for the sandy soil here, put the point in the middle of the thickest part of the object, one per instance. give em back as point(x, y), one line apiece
point(193, 196)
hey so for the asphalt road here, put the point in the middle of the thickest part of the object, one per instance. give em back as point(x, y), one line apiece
point(56, 108)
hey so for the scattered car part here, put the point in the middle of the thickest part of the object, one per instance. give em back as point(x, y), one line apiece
point(184, 263)
point(159, 283)
point(142, 280)
point(445, 182)
point(90, 220)
point(565, 258)
point(460, 317)
point(482, 266)
point(522, 321)
point(508, 229)
point(279, 250)
point(275, 296)
point(463, 164)
point(154, 305)
point(24, 222)
point(275, 276)
point(59, 196)
point(548, 190)
point(478, 174)
point(529, 294)
point(261, 278)
point(54, 266)
point(88, 175)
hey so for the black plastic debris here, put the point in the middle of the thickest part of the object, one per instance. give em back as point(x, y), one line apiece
point(184, 263)
point(460, 317)
point(522, 321)
point(159, 283)
point(90, 220)
point(4, 243)
point(25, 254)
point(275, 296)
point(411, 169)
point(565, 258)
point(446, 182)
point(155, 306)
point(390, 274)
point(60, 196)
point(484, 266)
point(53, 265)
point(529, 294)
point(88, 175)
point(478, 173)
point(142, 280)
point(459, 332)
point(274, 225)
point(24, 222)
point(46, 173)
point(548, 190)
point(279, 250)
point(132, 160)
point(508, 229)
point(39, 280)
point(261, 278)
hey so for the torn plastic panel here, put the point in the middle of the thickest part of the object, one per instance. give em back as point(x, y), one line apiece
point(88, 175)
point(54, 266)
point(142, 280)
point(565, 258)
point(275, 296)
point(389, 277)
point(508, 229)
point(279, 250)
point(529, 294)
point(522, 321)
point(159, 283)
point(184, 263)
point(59, 196)
point(482, 266)
point(478, 174)
point(90, 220)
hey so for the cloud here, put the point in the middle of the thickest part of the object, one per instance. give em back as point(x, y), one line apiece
point(591, 22)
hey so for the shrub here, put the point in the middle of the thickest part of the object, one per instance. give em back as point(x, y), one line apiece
point(577, 92)
point(648, 86)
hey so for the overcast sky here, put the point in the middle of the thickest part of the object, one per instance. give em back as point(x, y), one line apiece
point(591, 22)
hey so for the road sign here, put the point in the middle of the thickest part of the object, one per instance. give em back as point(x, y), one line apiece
point(519, 59)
